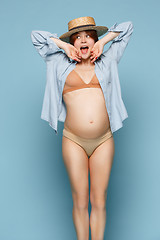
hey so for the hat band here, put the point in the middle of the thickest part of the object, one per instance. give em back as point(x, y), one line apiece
point(82, 26)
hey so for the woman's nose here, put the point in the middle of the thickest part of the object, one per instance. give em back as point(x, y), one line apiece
point(83, 39)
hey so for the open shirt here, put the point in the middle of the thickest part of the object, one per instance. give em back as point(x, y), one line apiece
point(59, 65)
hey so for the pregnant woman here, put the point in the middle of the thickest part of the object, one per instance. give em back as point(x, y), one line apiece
point(83, 91)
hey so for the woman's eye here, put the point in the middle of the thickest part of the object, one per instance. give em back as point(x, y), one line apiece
point(86, 35)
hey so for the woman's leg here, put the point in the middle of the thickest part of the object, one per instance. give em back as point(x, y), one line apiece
point(100, 164)
point(76, 162)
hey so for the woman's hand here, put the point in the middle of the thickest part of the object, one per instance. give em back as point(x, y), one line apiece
point(72, 52)
point(97, 50)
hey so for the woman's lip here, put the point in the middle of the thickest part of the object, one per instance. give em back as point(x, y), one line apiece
point(84, 46)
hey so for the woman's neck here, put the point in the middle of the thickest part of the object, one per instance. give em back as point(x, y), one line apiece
point(85, 63)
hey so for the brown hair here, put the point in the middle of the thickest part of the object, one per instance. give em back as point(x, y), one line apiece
point(91, 33)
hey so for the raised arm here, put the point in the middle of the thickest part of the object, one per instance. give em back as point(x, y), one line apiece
point(120, 35)
point(46, 43)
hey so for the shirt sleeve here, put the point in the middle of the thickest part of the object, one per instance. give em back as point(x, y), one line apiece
point(45, 46)
point(120, 42)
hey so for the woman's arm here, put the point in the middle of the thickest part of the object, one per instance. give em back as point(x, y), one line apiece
point(110, 36)
point(43, 43)
point(61, 44)
point(48, 44)
point(69, 49)
point(120, 34)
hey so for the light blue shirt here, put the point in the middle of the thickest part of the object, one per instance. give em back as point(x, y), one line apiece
point(59, 65)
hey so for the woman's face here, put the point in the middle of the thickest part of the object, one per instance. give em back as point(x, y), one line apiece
point(84, 40)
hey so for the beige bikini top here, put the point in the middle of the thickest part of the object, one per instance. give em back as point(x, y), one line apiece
point(74, 82)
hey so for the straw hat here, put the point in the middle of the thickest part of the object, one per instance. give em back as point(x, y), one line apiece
point(82, 24)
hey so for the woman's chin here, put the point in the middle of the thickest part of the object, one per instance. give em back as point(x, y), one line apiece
point(86, 56)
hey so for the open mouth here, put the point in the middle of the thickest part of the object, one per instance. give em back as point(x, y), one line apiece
point(84, 50)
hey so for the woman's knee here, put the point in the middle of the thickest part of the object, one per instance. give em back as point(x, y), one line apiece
point(98, 200)
point(80, 200)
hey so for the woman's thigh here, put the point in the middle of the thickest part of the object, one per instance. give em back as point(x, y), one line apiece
point(100, 164)
point(76, 162)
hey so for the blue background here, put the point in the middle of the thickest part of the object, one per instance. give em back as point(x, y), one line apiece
point(35, 195)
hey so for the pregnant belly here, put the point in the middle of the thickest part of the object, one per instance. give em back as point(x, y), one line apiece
point(87, 115)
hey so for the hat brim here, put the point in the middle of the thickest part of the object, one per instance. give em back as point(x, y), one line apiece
point(100, 31)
